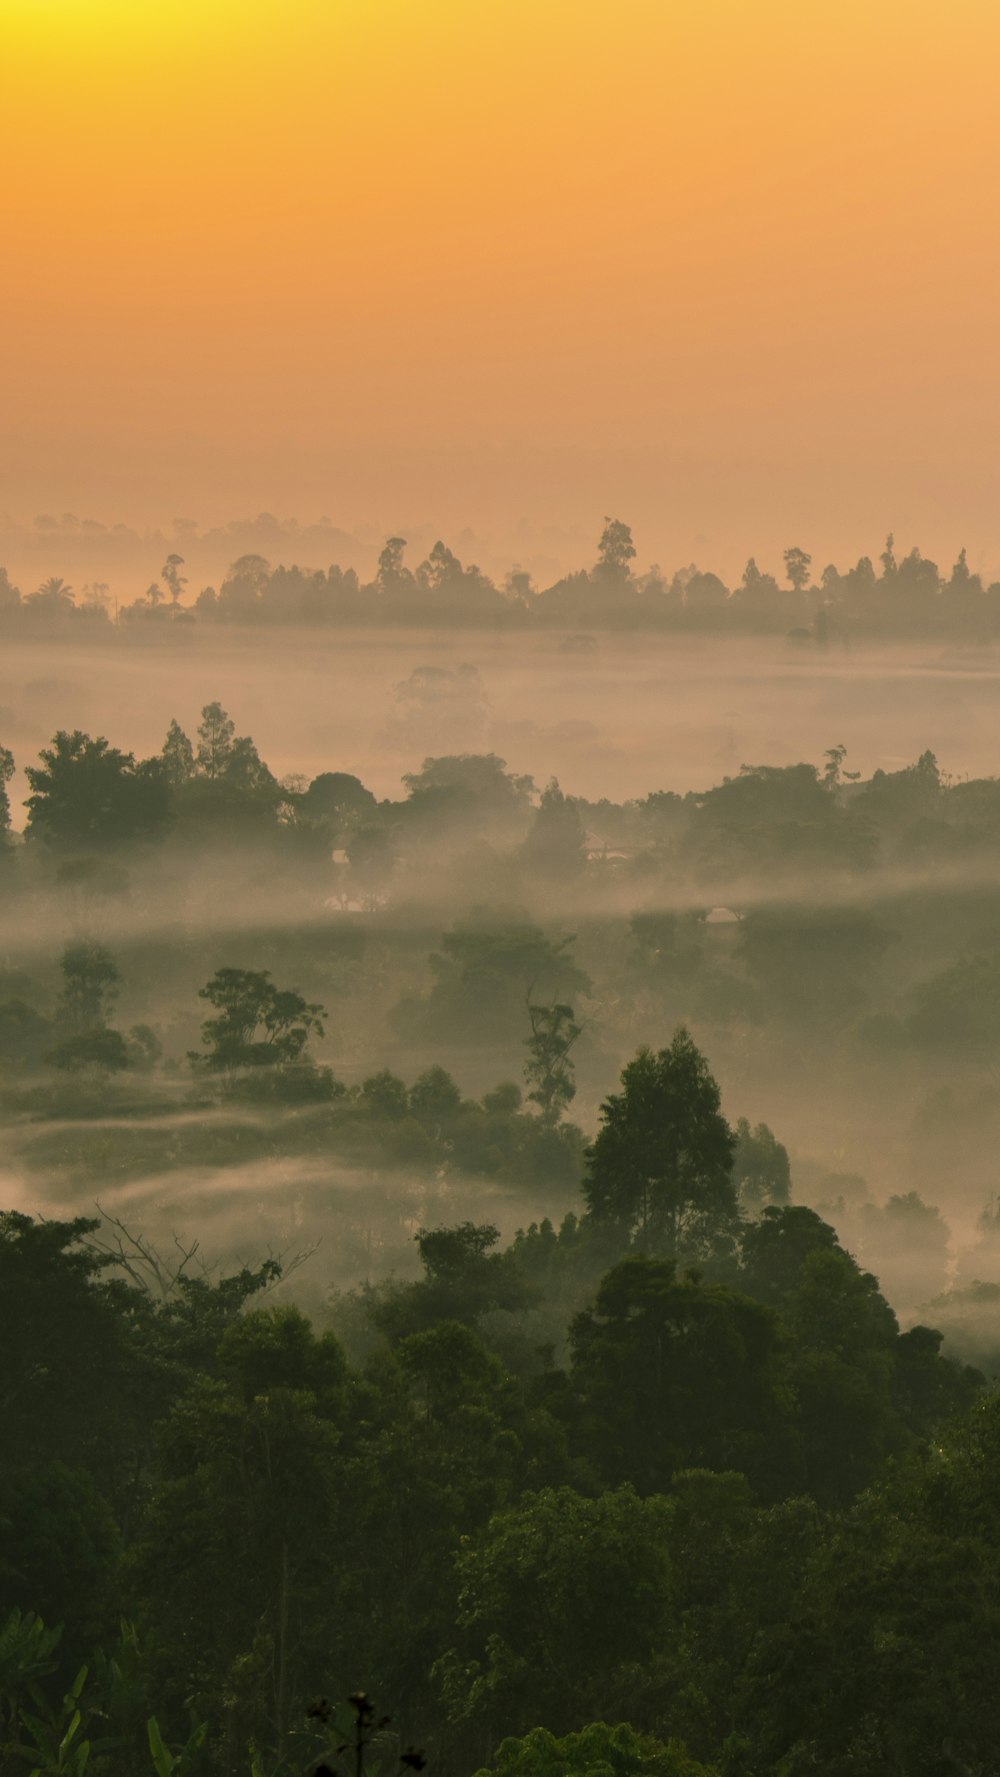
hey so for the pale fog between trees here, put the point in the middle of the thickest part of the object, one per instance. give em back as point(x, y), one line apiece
point(497, 838)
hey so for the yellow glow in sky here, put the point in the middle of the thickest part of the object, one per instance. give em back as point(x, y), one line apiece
point(731, 269)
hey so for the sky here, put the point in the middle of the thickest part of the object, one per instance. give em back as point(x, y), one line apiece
point(727, 269)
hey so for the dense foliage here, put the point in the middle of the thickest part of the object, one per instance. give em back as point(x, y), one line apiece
point(663, 1484)
point(730, 1506)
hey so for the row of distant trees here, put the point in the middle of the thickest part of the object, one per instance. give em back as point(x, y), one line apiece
point(899, 595)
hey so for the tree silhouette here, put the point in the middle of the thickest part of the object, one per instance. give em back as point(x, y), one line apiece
point(216, 731)
point(615, 549)
point(54, 597)
point(548, 1069)
point(177, 754)
point(797, 566)
point(661, 1166)
point(391, 574)
point(257, 1023)
point(171, 575)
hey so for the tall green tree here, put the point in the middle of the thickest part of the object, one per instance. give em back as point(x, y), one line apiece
point(548, 1068)
point(660, 1169)
point(391, 575)
point(797, 566)
point(177, 755)
point(615, 550)
point(172, 578)
point(91, 982)
point(216, 733)
point(91, 979)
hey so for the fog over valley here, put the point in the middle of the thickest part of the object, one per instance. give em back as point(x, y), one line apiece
point(614, 716)
point(791, 853)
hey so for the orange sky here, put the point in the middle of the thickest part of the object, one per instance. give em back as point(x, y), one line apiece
point(728, 268)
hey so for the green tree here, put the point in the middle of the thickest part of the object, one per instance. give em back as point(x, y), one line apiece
point(244, 588)
point(797, 566)
point(339, 800)
point(434, 1097)
point(845, 1339)
point(774, 1249)
point(237, 1558)
point(660, 1169)
point(556, 844)
point(61, 1547)
point(54, 598)
point(91, 982)
point(257, 1023)
point(216, 732)
point(384, 1096)
point(177, 755)
point(28, 1655)
point(460, 788)
point(95, 1052)
point(615, 550)
point(245, 769)
point(441, 568)
point(561, 1598)
point(673, 1375)
point(761, 1170)
point(67, 1391)
point(885, 1656)
point(464, 1278)
point(594, 1751)
point(834, 757)
point(86, 792)
point(548, 1069)
point(391, 575)
point(445, 1439)
point(172, 578)
point(488, 965)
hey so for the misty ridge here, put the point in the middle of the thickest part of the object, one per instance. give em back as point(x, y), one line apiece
point(831, 940)
point(904, 595)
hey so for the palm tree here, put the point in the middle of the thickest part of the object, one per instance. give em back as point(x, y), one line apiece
point(53, 595)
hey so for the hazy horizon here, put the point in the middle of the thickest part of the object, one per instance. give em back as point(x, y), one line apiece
point(711, 270)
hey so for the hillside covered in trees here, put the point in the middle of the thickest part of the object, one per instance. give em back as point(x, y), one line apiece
point(727, 1519)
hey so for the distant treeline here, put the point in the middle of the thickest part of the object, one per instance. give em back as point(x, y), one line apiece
point(907, 595)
